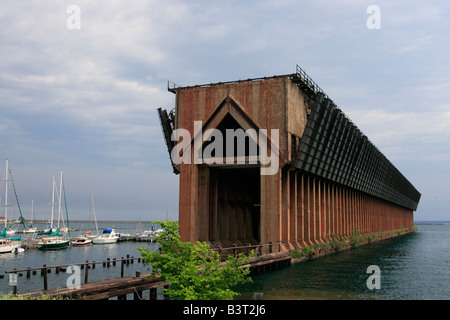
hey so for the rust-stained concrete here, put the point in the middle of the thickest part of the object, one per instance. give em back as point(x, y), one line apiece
point(235, 204)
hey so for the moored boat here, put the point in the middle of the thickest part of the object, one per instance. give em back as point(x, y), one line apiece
point(108, 236)
point(81, 241)
point(7, 246)
point(53, 242)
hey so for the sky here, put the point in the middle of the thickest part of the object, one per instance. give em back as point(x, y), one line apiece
point(79, 90)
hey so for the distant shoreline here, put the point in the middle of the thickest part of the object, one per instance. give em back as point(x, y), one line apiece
point(87, 221)
point(146, 222)
point(432, 223)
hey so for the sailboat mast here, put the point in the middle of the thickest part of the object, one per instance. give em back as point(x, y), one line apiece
point(65, 205)
point(53, 203)
point(90, 210)
point(59, 198)
point(93, 210)
point(6, 194)
point(32, 211)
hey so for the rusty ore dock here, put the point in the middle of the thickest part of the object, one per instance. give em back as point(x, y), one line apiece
point(330, 179)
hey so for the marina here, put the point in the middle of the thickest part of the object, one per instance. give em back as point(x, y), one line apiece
point(31, 257)
point(36, 240)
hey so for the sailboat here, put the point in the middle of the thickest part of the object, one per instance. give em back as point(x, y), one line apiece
point(86, 238)
point(57, 239)
point(31, 229)
point(8, 245)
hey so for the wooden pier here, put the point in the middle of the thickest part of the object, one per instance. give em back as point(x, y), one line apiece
point(106, 289)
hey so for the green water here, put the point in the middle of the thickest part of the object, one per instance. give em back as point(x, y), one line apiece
point(415, 266)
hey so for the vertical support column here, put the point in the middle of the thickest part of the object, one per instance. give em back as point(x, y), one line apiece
point(335, 210)
point(358, 212)
point(319, 211)
point(347, 212)
point(285, 218)
point(372, 216)
point(204, 202)
point(315, 209)
point(301, 210)
point(310, 211)
point(293, 210)
point(363, 205)
point(344, 212)
point(359, 220)
point(351, 211)
point(339, 221)
point(328, 220)
point(270, 209)
point(188, 205)
point(332, 210)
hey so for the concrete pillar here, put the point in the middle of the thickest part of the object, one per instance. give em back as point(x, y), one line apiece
point(340, 217)
point(310, 212)
point(328, 211)
point(345, 221)
point(204, 203)
point(303, 210)
point(319, 210)
point(285, 217)
point(270, 208)
point(293, 209)
point(316, 211)
point(188, 208)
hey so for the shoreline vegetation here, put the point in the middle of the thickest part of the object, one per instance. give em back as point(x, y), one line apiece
point(340, 243)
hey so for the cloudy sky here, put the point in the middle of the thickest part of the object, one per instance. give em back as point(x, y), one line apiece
point(83, 100)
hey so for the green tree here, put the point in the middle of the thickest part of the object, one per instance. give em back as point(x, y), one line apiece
point(194, 271)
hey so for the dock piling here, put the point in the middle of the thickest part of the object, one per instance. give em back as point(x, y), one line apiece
point(86, 273)
point(44, 270)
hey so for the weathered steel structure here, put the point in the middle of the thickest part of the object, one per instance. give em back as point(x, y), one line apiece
point(330, 179)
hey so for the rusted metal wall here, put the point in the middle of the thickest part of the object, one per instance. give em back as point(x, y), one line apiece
point(330, 179)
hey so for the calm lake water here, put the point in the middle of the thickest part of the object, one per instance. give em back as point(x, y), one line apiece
point(415, 266)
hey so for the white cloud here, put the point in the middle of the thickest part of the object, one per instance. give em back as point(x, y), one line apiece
point(422, 136)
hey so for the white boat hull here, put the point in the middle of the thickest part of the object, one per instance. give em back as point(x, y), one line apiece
point(81, 242)
point(100, 240)
point(9, 247)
